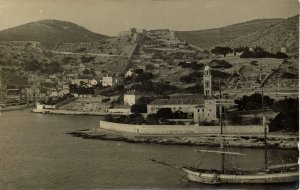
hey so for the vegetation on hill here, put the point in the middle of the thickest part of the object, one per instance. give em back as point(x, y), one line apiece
point(263, 54)
point(283, 34)
point(254, 102)
point(50, 31)
point(209, 38)
point(288, 118)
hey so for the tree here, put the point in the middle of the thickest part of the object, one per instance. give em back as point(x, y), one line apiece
point(32, 65)
point(139, 108)
point(164, 113)
point(253, 102)
point(152, 119)
point(108, 118)
point(221, 50)
point(288, 118)
point(149, 67)
point(234, 117)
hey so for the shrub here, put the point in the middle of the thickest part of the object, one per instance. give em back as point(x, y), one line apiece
point(234, 117)
point(221, 50)
point(289, 75)
point(254, 63)
point(253, 102)
point(85, 59)
point(220, 64)
point(139, 108)
point(105, 100)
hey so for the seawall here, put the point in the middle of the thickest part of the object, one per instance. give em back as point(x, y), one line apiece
point(67, 112)
point(180, 129)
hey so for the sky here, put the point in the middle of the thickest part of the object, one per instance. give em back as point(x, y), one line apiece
point(112, 16)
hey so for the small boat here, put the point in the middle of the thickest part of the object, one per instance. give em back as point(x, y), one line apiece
point(284, 173)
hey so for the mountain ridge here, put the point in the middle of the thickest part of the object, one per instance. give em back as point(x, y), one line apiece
point(284, 34)
point(226, 36)
point(50, 30)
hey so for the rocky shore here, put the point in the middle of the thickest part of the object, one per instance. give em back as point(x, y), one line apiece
point(250, 141)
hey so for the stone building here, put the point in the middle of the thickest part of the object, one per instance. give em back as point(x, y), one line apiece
point(110, 80)
point(131, 98)
point(202, 108)
point(207, 80)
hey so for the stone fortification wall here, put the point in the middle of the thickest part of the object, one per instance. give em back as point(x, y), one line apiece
point(180, 129)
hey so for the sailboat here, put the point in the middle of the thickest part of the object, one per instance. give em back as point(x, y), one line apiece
point(284, 173)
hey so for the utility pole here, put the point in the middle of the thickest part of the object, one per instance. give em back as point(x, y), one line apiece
point(262, 97)
point(221, 124)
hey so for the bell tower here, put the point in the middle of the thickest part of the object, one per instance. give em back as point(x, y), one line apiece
point(207, 86)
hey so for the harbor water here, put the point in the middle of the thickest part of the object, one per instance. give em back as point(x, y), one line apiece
point(37, 153)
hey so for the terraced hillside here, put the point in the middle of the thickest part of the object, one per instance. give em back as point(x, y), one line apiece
point(207, 39)
point(283, 34)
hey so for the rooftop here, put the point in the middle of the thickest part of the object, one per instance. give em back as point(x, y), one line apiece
point(178, 101)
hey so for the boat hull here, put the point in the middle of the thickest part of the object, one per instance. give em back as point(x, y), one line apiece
point(211, 178)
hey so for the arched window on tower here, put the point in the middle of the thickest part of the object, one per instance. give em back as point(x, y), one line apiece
point(206, 84)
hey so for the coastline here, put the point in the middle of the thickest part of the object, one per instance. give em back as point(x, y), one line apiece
point(247, 141)
point(17, 107)
point(68, 112)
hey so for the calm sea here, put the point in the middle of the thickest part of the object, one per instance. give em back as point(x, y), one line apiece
point(36, 153)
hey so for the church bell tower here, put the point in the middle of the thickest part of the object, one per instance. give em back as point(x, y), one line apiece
point(207, 82)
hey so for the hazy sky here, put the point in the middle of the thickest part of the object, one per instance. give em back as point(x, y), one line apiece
point(111, 16)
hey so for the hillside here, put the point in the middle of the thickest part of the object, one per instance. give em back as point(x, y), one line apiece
point(50, 31)
point(283, 34)
point(209, 38)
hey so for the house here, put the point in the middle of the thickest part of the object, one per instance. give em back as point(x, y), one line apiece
point(110, 80)
point(186, 105)
point(210, 110)
point(93, 82)
point(63, 92)
point(13, 94)
point(131, 98)
point(129, 73)
point(65, 86)
point(120, 110)
point(203, 108)
point(54, 94)
point(79, 81)
point(29, 93)
point(283, 49)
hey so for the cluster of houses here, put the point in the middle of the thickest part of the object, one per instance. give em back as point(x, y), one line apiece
point(199, 108)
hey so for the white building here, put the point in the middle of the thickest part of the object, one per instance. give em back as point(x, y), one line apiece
point(186, 105)
point(54, 94)
point(202, 108)
point(210, 111)
point(93, 82)
point(283, 50)
point(129, 73)
point(110, 80)
point(131, 98)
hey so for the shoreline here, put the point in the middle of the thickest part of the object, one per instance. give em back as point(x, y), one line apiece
point(17, 107)
point(246, 141)
point(68, 112)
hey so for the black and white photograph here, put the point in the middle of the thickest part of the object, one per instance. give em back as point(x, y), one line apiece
point(149, 94)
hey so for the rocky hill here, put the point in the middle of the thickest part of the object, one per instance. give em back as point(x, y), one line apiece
point(211, 37)
point(283, 34)
point(54, 31)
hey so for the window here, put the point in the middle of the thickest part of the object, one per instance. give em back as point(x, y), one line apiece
point(203, 110)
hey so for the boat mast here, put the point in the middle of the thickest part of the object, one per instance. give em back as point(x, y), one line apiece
point(266, 144)
point(221, 125)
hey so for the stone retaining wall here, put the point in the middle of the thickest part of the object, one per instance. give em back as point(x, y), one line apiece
point(181, 129)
